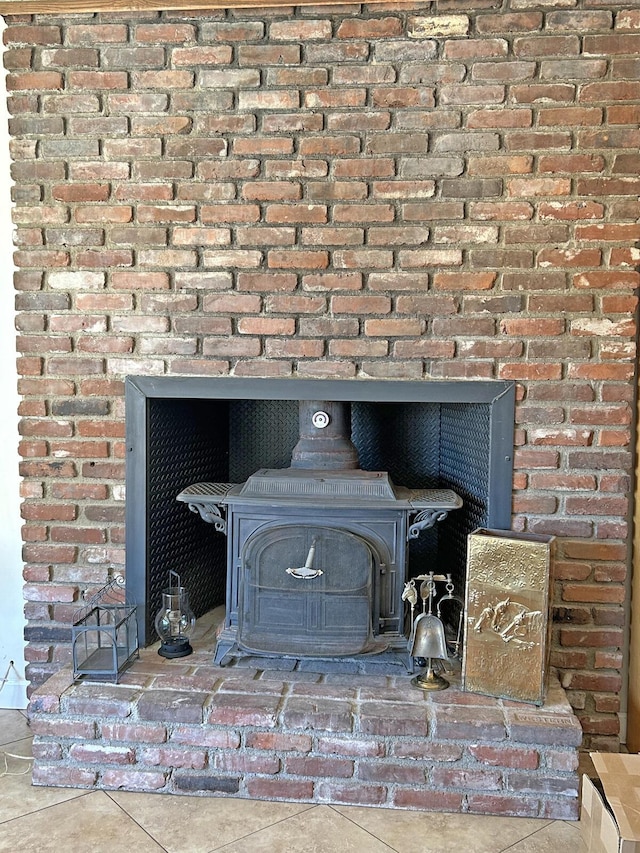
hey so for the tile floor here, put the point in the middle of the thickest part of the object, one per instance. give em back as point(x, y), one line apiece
point(38, 820)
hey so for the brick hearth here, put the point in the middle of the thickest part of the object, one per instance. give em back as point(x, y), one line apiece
point(188, 727)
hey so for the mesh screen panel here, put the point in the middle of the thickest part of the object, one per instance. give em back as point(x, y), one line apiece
point(403, 440)
point(187, 443)
point(464, 467)
point(264, 434)
point(400, 439)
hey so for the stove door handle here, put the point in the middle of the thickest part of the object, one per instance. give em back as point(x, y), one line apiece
point(305, 573)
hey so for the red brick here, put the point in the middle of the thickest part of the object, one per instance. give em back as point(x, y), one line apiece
point(292, 259)
point(326, 236)
point(300, 30)
point(364, 168)
point(271, 145)
point(137, 733)
point(293, 349)
point(36, 80)
point(365, 795)
point(393, 328)
point(62, 728)
point(615, 232)
point(358, 348)
point(158, 32)
point(201, 55)
point(515, 805)
point(279, 789)
point(470, 779)
point(318, 767)
point(606, 279)
point(208, 737)
point(32, 35)
point(614, 372)
point(402, 97)
point(63, 776)
point(226, 347)
point(390, 773)
point(375, 28)
point(523, 759)
point(553, 242)
point(292, 213)
point(428, 800)
point(593, 593)
point(100, 754)
point(133, 780)
point(445, 327)
point(295, 304)
point(362, 259)
point(52, 554)
point(590, 638)
point(265, 326)
point(530, 371)
point(329, 145)
point(241, 710)
point(571, 163)
point(276, 742)
point(272, 191)
point(333, 281)
point(361, 304)
point(130, 280)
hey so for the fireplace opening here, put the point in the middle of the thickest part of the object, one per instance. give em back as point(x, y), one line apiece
point(426, 435)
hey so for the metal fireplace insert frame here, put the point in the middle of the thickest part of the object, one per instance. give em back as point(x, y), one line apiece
point(427, 434)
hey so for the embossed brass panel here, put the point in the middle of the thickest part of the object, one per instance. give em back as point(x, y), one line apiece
point(507, 614)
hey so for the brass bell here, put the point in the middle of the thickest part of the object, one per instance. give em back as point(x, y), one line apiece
point(429, 642)
point(428, 638)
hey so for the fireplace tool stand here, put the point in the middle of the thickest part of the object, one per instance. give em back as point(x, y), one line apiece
point(427, 641)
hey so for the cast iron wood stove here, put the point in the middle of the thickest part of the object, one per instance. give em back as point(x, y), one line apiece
point(317, 553)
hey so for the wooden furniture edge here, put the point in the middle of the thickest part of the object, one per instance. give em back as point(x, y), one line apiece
point(73, 7)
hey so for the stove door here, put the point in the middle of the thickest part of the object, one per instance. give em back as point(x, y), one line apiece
point(307, 590)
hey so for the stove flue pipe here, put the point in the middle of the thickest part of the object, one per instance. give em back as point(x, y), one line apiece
point(325, 437)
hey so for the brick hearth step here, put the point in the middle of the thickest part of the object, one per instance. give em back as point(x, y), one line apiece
point(187, 727)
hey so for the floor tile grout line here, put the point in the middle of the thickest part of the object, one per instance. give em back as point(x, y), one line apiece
point(526, 837)
point(139, 825)
point(268, 826)
point(363, 828)
point(31, 813)
point(15, 740)
point(544, 824)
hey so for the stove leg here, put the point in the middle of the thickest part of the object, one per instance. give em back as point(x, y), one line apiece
point(223, 648)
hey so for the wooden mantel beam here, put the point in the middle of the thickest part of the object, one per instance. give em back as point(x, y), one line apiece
point(74, 7)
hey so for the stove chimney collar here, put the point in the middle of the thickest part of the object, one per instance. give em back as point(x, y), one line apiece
point(325, 437)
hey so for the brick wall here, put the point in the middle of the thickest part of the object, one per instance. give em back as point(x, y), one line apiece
point(401, 192)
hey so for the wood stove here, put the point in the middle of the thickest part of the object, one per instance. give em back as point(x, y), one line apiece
point(317, 553)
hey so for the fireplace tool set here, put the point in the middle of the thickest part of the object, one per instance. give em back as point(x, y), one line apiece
point(427, 640)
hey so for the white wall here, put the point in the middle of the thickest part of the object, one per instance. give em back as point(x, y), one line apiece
point(13, 693)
